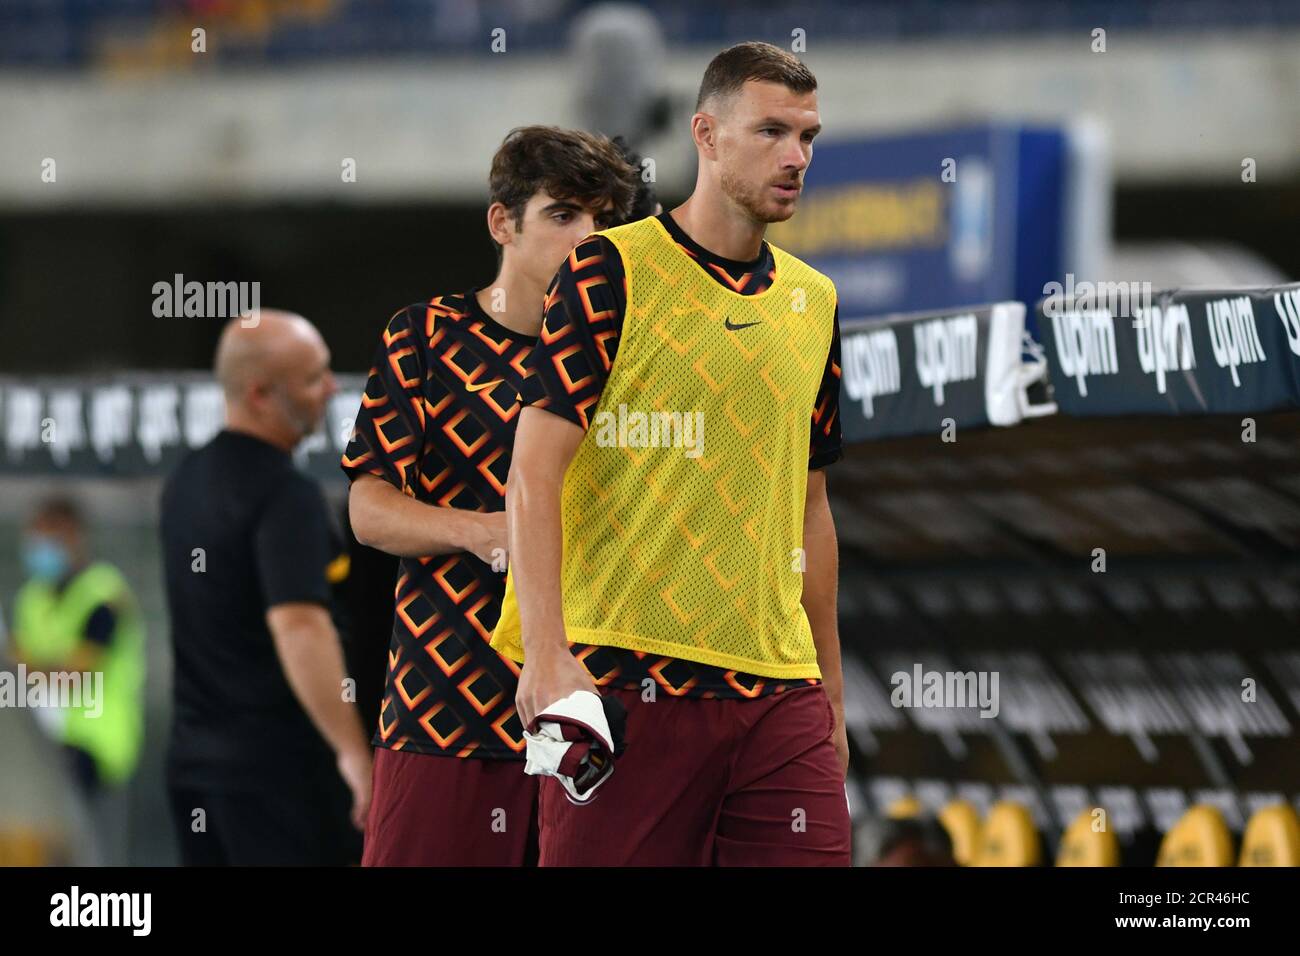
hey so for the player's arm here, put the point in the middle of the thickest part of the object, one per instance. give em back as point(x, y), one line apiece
point(87, 655)
point(383, 517)
point(292, 549)
point(387, 453)
point(570, 365)
point(312, 660)
point(821, 547)
point(544, 446)
point(820, 598)
point(90, 651)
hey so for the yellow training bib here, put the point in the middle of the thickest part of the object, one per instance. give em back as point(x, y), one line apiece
point(683, 507)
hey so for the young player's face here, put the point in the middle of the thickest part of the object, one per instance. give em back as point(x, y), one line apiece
point(764, 143)
point(550, 229)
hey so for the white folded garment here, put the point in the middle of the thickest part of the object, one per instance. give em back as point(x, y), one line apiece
point(572, 742)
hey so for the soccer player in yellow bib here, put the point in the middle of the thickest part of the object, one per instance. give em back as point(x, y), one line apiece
point(670, 538)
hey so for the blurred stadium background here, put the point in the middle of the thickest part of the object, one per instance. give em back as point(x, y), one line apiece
point(1148, 142)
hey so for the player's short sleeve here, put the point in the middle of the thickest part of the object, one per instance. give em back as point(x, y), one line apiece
point(575, 350)
point(388, 432)
point(292, 544)
point(100, 626)
point(826, 446)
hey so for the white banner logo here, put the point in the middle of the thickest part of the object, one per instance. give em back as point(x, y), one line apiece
point(1233, 334)
point(870, 365)
point(1164, 342)
point(946, 352)
point(1085, 345)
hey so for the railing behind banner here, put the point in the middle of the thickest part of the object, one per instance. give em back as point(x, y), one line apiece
point(1120, 349)
point(133, 424)
point(1175, 352)
point(936, 372)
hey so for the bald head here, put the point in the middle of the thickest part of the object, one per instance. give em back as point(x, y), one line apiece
point(258, 353)
point(275, 374)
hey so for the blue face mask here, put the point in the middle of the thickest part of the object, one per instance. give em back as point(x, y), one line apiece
point(45, 559)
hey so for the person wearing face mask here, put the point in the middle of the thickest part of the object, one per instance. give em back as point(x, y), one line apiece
point(267, 762)
point(77, 620)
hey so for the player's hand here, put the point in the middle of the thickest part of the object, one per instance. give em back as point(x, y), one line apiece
point(354, 768)
point(489, 541)
point(840, 737)
point(547, 677)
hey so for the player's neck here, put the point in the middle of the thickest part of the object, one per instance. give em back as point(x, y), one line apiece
point(246, 423)
point(719, 228)
point(511, 300)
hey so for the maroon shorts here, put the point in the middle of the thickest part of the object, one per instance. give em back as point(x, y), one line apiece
point(711, 783)
point(428, 810)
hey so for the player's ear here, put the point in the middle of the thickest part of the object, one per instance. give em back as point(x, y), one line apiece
point(258, 390)
point(704, 127)
point(500, 223)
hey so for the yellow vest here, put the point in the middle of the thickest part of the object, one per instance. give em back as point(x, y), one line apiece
point(682, 509)
point(48, 626)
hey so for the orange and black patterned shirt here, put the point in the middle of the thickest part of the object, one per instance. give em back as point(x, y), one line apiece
point(571, 363)
point(437, 421)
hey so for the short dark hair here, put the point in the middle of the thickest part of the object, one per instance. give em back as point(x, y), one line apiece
point(878, 837)
point(753, 60)
point(569, 164)
point(645, 200)
point(59, 509)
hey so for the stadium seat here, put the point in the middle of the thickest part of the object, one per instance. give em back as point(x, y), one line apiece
point(904, 808)
point(1081, 845)
point(1008, 837)
point(1272, 838)
point(962, 821)
point(21, 846)
point(1199, 838)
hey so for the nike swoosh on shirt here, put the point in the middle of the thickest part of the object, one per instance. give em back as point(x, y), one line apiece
point(479, 388)
point(744, 325)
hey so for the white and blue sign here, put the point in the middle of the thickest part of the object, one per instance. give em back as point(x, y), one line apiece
point(934, 220)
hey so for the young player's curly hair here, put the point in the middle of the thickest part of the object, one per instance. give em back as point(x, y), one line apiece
point(569, 164)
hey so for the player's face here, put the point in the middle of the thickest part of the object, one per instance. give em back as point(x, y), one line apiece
point(764, 143)
point(304, 390)
point(550, 229)
point(64, 534)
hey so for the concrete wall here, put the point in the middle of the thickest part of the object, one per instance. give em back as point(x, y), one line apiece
point(1176, 108)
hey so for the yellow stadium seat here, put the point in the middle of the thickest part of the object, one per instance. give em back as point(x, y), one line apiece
point(1008, 837)
point(1272, 838)
point(1199, 838)
point(20, 846)
point(1082, 845)
point(962, 821)
point(904, 808)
